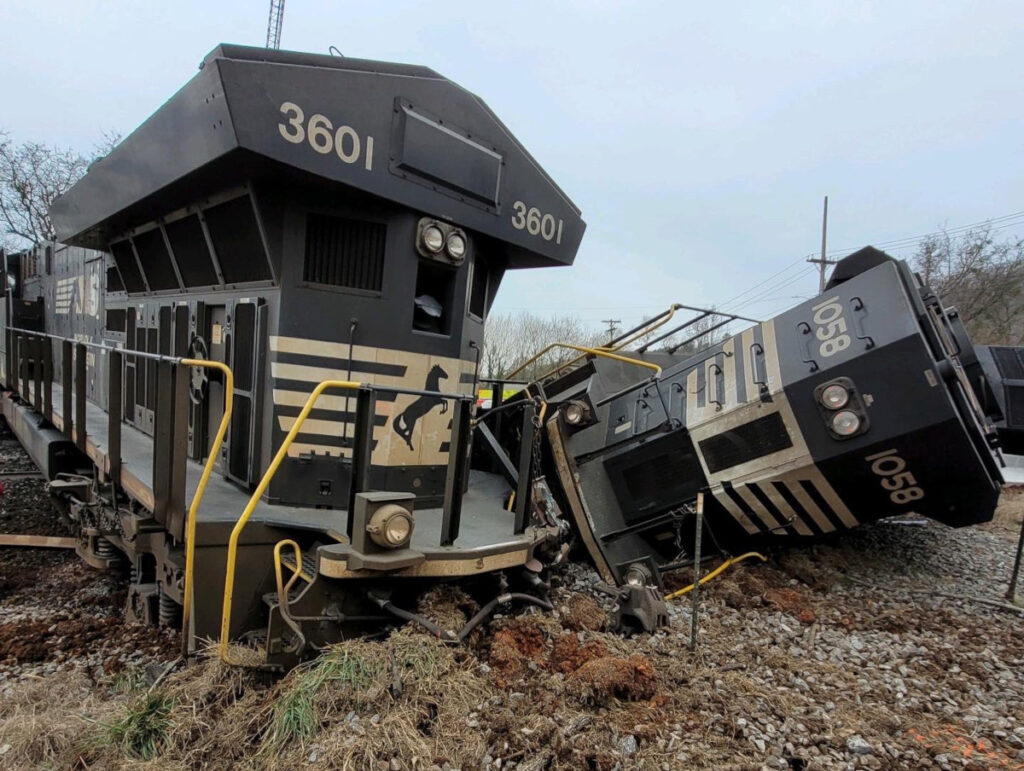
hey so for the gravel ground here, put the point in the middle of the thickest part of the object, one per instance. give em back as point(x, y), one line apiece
point(875, 650)
point(56, 613)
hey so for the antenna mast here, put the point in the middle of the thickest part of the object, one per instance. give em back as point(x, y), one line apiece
point(274, 22)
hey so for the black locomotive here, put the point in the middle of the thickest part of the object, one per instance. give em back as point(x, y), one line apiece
point(865, 402)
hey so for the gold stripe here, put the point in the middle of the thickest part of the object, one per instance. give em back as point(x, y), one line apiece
point(809, 505)
point(309, 374)
point(832, 498)
point(771, 355)
point(737, 513)
point(324, 427)
point(729, 372)
point(747, 340)
point(758, 508)
point(298, 448)
point(786, 510)
point(437, 568)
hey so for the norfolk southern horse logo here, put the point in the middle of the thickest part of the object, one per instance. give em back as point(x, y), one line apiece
point(405, 422)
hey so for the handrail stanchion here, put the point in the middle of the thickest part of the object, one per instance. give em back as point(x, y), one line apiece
point(114, 397)
point(211, 461)
point(454, 482)
point(48, 378)
point(362, 449)
point(525, 458)
point(81, 382)
point(67, 387)
point(250, 507)
point(37, 372)
point(25, 353)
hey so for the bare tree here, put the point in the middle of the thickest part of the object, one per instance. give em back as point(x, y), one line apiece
point(32, 175)
point(982, 277)
point(511, 340)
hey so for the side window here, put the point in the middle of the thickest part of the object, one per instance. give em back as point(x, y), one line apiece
point(478, 289)
point(435, 293)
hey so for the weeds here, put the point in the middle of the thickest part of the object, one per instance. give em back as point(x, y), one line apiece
point(141, 732)
point(295, 716)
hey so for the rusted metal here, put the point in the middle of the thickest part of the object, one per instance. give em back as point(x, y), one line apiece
point(38, 541)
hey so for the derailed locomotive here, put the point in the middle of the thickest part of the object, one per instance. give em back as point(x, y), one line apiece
point(311, 243)
point(865, 402)
point(250, 367)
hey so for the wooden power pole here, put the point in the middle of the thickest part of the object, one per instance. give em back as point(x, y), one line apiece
point(823, 262)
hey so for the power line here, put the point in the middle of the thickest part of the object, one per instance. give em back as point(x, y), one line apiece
point(1006, 220)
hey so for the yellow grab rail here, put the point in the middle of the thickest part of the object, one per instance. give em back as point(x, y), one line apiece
point(193, 509)
point(282, 588)
point(229, 577)
point(632, 338)
point(585, 351)
point(728, 563)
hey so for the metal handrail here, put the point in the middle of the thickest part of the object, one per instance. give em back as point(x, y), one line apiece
point(250, 507)
point(282, 451)
point(591, 351)
point(616, 345)
point(193, 509)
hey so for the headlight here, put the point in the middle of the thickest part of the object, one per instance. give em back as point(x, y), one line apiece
point(390, 526)
point(845, 423)
point(456, 245)
point(835, 396)
point(638, 574)
point(433, 238)
point(575, 413)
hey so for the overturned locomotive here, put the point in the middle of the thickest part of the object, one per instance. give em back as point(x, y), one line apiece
point(269, 301)
point(865, 402)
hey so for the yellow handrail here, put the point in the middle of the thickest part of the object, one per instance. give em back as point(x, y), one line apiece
point(193, 509)
point(282, 589)
point(592, 351)
point(229, 578)
point(618, 346)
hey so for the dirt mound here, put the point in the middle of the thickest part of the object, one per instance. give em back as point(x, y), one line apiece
point(514, 648)
point(792, 601)
point(568, 654)
point(583, 612)
point(600, 679)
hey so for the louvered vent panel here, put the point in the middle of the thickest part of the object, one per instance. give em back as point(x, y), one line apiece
point(344, 252)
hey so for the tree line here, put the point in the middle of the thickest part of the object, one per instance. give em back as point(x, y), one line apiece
point(976, 271)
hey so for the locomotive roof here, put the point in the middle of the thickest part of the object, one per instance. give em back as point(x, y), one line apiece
point(397, 131)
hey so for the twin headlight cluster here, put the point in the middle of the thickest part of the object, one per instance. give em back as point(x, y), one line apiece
point(441, 241)
point(842, 408)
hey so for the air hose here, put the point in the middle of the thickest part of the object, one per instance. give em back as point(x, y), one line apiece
point(721, 568)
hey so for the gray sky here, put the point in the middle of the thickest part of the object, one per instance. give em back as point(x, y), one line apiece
point(697, 138)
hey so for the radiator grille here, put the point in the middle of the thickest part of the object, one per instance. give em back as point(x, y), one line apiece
point(745, 443)
point(1009, 363)
point(344, 252)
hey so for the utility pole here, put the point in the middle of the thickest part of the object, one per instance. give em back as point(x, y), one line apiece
point(611, 327)
point(822, 261)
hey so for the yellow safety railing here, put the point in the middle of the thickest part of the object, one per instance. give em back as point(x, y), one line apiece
point(604, 352)
point(282, 588)
point(631, 338)
point(193, 509)
point(282, 452)
point(727, 564)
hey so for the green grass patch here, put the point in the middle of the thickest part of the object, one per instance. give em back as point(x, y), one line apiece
point(140, 733)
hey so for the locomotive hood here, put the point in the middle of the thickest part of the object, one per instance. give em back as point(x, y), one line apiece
point(401, 132)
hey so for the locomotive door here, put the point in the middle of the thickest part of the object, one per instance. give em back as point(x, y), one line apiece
point(215, 320)
point(246, 351)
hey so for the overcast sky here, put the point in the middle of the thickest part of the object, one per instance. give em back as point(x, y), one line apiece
point(697, 138)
